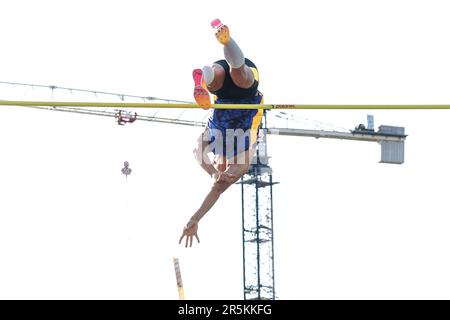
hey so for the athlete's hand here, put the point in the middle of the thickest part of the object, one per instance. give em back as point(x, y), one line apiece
point(224, 177)
point(190, 231)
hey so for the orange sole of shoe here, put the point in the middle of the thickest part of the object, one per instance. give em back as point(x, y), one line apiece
point(223, 34)
point(201, 96)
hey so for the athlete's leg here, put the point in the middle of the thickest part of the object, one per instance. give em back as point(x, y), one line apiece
point(208, 78)
point(241, 74)
point(214, 76)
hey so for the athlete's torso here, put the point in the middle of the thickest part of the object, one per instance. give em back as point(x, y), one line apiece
point(232, 94)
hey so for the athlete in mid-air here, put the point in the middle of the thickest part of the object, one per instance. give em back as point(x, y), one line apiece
point(230, 133)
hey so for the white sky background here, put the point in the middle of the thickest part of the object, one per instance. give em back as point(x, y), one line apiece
point(346, 226)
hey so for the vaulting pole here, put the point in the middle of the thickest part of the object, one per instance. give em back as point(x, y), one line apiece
point(176, 265)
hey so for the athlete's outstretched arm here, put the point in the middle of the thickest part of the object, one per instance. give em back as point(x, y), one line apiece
point(232, 174)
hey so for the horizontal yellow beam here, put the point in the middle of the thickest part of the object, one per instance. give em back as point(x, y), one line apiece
point(121, 105)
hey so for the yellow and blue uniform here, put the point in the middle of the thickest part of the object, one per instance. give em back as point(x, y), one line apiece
point(245, 119)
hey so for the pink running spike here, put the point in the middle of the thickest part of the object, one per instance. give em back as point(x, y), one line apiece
point(216, 23)
point(197, 75)
point(201, 95)
point(222, 31)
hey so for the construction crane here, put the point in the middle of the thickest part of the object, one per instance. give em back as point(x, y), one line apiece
point(257, 184)
point(257, 198)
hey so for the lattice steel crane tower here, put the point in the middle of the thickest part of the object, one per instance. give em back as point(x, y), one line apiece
point(257, 224)
point(257, 198)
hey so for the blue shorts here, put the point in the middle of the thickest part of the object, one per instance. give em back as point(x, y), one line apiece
point(234, 130)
